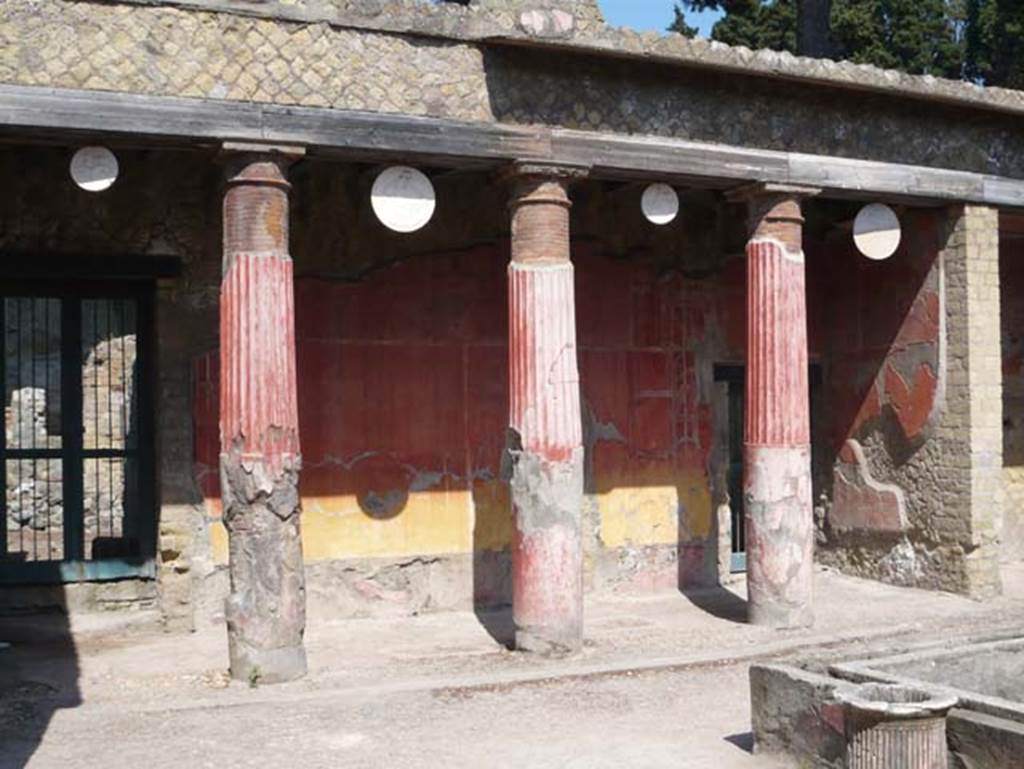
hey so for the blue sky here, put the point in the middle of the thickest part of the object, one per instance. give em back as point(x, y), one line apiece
point(651, 14)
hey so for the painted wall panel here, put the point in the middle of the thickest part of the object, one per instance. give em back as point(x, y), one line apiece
point(403, 406)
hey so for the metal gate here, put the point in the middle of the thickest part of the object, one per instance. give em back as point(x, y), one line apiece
point(76, 458)
point(734, 377)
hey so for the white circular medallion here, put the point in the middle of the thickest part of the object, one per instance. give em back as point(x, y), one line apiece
point(660, 204)
point(94, 169)
point(403, 199)
point(876, 231)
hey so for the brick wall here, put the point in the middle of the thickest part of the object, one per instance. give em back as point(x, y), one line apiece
point(975, 373)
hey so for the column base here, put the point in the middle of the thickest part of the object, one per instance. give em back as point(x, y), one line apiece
point(548, 641)
point(266, 666)
point(266, 610)
point(547, 554)
point(780, 535)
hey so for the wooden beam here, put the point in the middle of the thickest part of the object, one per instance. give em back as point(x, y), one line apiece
point(31, 112)
point(721, 166)
point(379, 136)
point(103, 112)
point(21, 265)
point(713, 165)
point(355, 134)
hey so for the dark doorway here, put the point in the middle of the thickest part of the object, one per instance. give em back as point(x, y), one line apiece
point(735, 378)
point(76, 455)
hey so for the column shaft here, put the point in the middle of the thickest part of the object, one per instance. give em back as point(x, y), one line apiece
point(545, 430)
point(260, 456)
point(777, 455)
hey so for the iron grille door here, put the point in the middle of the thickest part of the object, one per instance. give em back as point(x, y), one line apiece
point(735, 376)
point(76, 455)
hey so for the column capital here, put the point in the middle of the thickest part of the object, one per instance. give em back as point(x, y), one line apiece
point(774, 212)
point(256, 163)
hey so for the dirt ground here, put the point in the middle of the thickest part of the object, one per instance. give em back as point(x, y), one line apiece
point(662, 683)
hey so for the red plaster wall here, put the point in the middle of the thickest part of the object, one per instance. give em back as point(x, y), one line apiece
point(883, 324)
point(1011, 278)
point(402, 386)
point(883, 329)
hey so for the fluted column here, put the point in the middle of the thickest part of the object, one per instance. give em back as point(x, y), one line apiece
point(260, 455)
point(777, 451)
point(545, 430)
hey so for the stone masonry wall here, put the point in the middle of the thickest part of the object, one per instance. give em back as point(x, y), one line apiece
point(886, 375)
point(975, 245)
point(170, 51)
point(945, 474)
point(960, 469)
point(178, 51)
point(165, 203)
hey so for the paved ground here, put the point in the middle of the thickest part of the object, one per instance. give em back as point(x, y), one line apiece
point(662, 683)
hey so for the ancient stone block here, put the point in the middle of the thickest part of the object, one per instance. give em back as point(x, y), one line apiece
point(794, 713)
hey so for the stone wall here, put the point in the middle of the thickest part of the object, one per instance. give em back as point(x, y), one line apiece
point(165, 203)
point(927, 430)
point(972, 430)
point(170, 51)
point(452, 67)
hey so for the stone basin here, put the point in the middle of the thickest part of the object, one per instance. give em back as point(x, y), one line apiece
point(973, 690)
point(986, 677)
point(891, 702)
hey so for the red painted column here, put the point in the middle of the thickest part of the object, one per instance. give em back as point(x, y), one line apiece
point(260, 456)
point(777, 451)
point(545, 429)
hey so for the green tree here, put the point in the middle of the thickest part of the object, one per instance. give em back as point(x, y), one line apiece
point(994, 42)
point(752, 23)
point(917, 36)
point(679, 23)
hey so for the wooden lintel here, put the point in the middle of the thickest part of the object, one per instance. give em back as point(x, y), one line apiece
point(382, 138)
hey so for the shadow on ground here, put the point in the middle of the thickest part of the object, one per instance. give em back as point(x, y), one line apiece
point(497, 621)
point(744, 741)
point(38, 676)
point(718, 602)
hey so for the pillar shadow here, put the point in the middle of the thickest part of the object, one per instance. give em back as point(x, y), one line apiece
point(492, 567)
point(39, 673)
point(744, 741)
point(718, 602)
